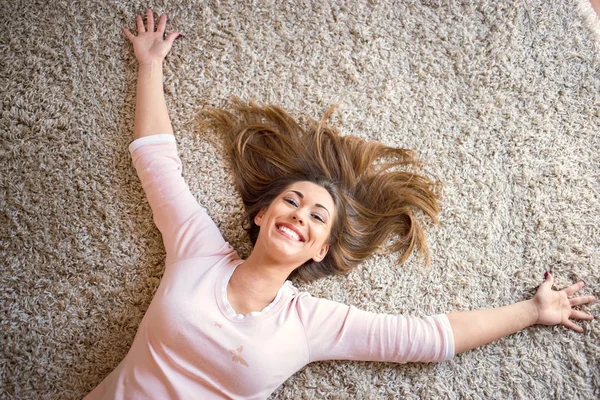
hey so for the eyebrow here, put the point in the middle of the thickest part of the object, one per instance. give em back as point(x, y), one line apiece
point(318, 205)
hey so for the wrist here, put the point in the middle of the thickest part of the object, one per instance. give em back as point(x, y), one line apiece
point(152, 70)
point(532, 311)
point(152, 64)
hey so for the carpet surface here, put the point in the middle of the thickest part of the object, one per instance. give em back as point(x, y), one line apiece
point(499, 98)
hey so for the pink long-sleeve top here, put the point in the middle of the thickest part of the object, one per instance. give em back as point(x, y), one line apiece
point(191, 344)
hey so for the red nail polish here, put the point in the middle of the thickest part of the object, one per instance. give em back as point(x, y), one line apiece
point(180, 36)
point(546, 275)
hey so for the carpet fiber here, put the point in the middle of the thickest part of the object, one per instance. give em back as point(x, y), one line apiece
point(499, 98)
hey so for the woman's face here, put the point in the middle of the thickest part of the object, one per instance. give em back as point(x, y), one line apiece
point(296, 225)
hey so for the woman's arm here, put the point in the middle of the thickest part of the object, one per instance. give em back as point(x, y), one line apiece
point(336, 331)
point(549, 307)
point(186, 229)
point(151, 115)
point(478, 327)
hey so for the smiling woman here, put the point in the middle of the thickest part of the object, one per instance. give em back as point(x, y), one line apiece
point(317, 203)
point(373, 198)
point(297, 216)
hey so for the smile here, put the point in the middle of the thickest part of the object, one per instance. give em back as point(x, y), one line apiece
point(290, 232)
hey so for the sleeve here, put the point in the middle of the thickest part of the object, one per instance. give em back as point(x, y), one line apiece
point(186, 228)
point(336, 331)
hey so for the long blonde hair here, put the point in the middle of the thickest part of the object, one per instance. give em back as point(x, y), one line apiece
point(375, 200)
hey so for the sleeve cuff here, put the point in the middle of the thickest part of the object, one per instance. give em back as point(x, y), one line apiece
point(151, 139)
point(448, 336)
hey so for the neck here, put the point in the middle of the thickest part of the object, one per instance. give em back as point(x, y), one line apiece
point(255, 283)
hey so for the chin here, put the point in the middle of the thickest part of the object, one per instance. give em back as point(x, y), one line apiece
point(284, 255)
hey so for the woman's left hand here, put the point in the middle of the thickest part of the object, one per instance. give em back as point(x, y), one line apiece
point(555, 307)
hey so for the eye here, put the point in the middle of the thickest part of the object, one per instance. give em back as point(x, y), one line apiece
point(290, 201)
point(318, 218)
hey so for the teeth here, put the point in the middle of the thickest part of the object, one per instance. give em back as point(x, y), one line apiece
point(289, 232)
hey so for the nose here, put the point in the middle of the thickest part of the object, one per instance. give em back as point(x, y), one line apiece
point(296, 216)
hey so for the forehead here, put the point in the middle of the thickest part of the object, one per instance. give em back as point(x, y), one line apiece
point(313, 193)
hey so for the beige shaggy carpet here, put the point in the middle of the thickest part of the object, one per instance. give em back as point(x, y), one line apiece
point(499, 98)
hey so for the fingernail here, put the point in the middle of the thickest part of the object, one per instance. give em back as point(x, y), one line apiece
point(546, 275)
point(180, 36)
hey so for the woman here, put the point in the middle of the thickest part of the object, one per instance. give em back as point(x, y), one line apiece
point(317, 204)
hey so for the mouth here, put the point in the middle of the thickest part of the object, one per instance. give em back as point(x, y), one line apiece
point(290, 231)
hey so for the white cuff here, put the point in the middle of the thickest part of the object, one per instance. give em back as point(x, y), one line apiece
point(151, 139)
point(448, 336)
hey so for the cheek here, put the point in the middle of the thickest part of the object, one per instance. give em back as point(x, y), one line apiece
point(328, 234)
point(322, 235)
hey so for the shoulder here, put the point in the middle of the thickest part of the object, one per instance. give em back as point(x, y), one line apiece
point(311, 309)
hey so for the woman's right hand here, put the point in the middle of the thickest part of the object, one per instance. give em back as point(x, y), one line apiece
point(150, 46)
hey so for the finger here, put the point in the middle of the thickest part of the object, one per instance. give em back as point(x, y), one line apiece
point(576, 314)
point(150, 20)
point(128, 34)
point(548, 279)
point(140, 24)
point(172, 36)
point(573, 326)
point(574, 288)
point(577, 301)
point(162, 23)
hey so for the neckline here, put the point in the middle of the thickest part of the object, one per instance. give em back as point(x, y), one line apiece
point(228, 310)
